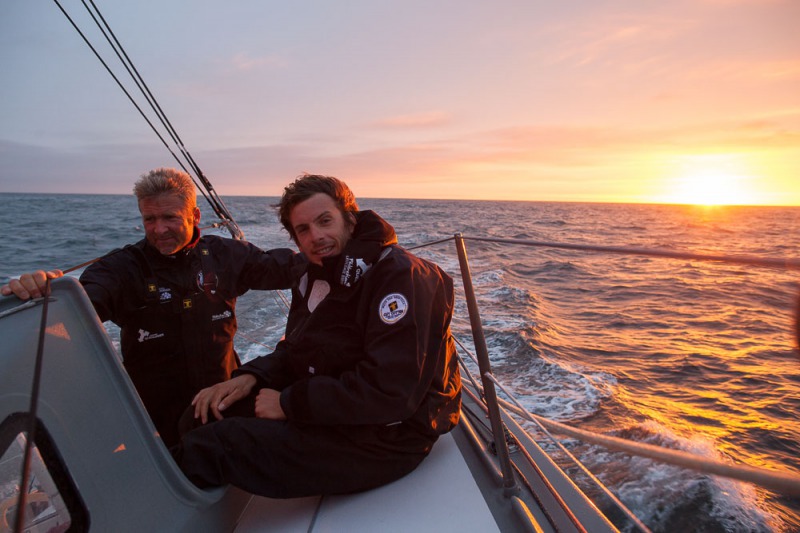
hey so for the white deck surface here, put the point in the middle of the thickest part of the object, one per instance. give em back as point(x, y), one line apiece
point(440, 495)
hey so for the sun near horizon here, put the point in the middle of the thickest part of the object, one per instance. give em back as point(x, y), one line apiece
point(718, 179)
point(713, 177)
point(711, 188)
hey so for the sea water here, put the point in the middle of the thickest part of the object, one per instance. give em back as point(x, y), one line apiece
point(683, 354)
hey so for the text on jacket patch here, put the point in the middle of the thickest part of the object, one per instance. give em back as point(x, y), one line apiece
point(147, 336)
point(221, 316)
point(393, 307)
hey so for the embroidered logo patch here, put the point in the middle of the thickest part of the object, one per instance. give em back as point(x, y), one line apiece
point(209, 285)
point(221, 316)
point(393, 307)
point(145, 335)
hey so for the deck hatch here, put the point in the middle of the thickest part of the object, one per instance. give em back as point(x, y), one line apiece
point(53, 502)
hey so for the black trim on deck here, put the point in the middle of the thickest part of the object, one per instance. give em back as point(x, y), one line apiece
point(18, 423)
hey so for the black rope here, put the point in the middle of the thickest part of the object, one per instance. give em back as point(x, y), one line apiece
point(123, 57)
point(121, 86)
point(111, 38)
point(32, 411)
point(207, 190)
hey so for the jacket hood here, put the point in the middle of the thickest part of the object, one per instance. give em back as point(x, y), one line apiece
point(371, 235)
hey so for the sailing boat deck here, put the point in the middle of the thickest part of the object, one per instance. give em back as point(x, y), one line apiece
point(440, 495)
point(102, 468)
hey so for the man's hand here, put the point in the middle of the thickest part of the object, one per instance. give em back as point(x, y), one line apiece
point(30, 285)
point(268, 405)
point(221, 396)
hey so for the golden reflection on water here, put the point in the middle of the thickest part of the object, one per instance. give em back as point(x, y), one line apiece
point(704, 349)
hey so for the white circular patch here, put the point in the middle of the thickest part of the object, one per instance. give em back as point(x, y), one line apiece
point(393, 307)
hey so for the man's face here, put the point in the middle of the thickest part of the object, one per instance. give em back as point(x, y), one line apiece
point(320, 229)
point(168, 222)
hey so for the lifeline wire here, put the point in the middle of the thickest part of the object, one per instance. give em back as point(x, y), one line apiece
point(32, 411)
point(784, 483)
point(784, 263)
point(607, 491)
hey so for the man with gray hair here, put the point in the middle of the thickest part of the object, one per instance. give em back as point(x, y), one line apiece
point(173, 295)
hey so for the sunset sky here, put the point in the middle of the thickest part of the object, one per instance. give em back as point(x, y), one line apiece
point(597, 100)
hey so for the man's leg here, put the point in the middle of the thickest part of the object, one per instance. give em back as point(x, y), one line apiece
point(281, 460)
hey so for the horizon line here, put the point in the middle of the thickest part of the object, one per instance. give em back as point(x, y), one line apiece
point(617, 202)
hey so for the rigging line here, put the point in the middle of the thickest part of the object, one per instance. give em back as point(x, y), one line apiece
point(466, 370)
point(527, 457)
point(86, 263)
point(96, 259)
point(34, 405)
point(775, 480)
point(138, 108)
point(738, 259)
point(752, 260)
point(785, 263)
point(785, 483)
point(423, 245)
point(135, 75)
point(621, 506)
point(285, 303)
point(214, 225)
point(254, 341)
point(121, 86)
point(111, 38)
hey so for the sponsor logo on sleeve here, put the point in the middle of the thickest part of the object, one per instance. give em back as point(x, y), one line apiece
point(393, 307)
point(221, 316)
point(145, 335)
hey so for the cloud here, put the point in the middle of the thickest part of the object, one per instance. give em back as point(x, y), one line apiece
point(521, 160)
point(244, 62)
point(102, 169)
point(616, 39)
point(432, 119)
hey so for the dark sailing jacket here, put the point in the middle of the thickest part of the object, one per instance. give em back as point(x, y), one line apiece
point(177, 313)
point(377, 348)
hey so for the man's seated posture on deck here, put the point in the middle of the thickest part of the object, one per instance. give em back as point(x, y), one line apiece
point(365, 380)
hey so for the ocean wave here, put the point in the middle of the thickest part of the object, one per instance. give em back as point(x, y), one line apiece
point(597, 338)
point(669, 498)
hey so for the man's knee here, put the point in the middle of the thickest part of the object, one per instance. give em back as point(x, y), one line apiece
point(200, 454)
point(188, 422)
